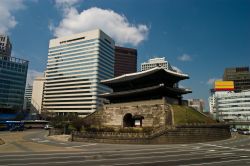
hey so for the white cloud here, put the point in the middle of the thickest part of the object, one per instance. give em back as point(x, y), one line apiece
point(51, 25)
point(66, 3)
point(115, 25)
point(185, 57)
point(7, 19)
point(31, 75)
point(212, 80)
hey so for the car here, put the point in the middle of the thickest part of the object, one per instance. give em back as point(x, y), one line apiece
point(233, 130)
point(47, 127)
point(247, 132)
point(244, 131)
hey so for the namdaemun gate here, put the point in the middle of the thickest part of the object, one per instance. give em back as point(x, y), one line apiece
point(142, 99)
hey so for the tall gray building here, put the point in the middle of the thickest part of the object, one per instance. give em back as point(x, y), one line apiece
point(13, 73)
point(5, 46)
point(76, 65)
point(27, 97)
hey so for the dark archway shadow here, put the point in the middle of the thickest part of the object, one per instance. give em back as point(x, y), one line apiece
point(128, 120)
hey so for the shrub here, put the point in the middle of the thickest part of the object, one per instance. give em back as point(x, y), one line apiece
point(77, 123)
point(106, 129)
point(91, 129)
point(130, 130)
point(147, 129)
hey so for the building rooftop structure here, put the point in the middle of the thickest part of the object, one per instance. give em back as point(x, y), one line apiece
point(150, 84)
point(5, 45)
point(156, 62)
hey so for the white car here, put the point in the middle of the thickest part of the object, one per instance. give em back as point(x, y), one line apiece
point(247, 132)
point(47, 127)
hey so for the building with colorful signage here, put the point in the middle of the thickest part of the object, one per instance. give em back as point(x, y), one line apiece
point(228, 104)
point(224, 85)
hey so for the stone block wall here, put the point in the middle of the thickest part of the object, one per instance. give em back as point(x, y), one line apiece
point(155, 113)
point(181, 134)
point(193, 134)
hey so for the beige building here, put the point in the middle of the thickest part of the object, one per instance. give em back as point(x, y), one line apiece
point(37, 94)
point(197, 104)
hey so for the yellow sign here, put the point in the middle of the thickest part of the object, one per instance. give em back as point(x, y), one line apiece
point(224, 85)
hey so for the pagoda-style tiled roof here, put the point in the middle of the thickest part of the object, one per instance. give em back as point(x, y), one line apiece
point(152, 72)
point(147, 93)
point(148, 89)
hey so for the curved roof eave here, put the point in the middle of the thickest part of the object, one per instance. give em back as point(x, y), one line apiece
point(146, 72)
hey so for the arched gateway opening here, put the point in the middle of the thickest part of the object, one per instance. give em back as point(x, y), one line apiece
point(128, 120)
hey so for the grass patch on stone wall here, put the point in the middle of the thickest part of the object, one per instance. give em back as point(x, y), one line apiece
point(187, 115)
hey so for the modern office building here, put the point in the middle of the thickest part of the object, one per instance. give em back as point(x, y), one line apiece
point(27, 97)
point(76, 65)
point(197, 104)
point(230, 105)
point(37, 94)
point(233, 106)
point(125, 61)
point(5, 46)
point(13, 73)
point(211, 102)
point(156, 62)
point(240, 76)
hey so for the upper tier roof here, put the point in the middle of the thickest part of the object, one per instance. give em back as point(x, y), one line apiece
point(138, 75)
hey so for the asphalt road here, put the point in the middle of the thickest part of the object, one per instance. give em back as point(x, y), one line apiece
point(234, 151)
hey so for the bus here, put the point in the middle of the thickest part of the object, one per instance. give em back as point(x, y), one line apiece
point(11, 126)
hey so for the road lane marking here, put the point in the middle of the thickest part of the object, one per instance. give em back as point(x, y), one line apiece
point(232, 148)
point(43, 141)
point(117, 159)
point(175, 150)
point(79, 146)
point(91, 156)
point(62, 143)
point(216, 162)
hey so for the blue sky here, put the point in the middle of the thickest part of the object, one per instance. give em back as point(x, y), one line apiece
point(200, 37)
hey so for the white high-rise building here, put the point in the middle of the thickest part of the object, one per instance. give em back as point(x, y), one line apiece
point(27, 97)
point(211, 102)
point(156, 62)
point(76, 65)
point(37, 94)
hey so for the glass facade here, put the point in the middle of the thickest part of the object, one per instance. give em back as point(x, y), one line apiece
point(13, 73)
point(76, 64)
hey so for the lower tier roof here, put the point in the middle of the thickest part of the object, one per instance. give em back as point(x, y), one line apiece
point(153, 92)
